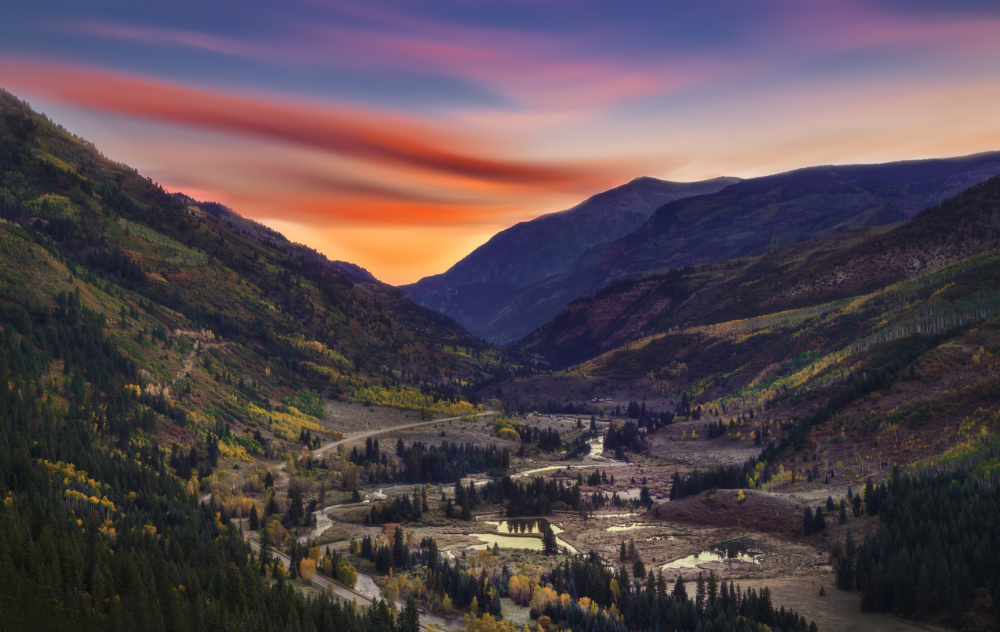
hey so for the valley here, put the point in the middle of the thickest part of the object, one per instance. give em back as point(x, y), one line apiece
point(206, 424)
point(755, 540)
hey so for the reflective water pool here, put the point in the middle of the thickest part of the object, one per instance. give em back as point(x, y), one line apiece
point(728, 552)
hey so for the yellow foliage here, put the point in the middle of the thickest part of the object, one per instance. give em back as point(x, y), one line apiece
point(412, 400)
point(346, 574)
point(509, 433)
point(288, 423)
point(234, 451)
point(307, 569)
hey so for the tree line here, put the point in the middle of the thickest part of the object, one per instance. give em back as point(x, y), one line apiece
point(936, 551)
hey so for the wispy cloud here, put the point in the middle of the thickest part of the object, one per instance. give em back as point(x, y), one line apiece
point(525, 69)
point(436, 114)
point(361, 134)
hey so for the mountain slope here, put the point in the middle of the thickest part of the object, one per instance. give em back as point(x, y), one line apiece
point(211, 306)
point(475, 288)
point(744, 219)
point(150, 346)
point(641, 314)
point(756, 215)
point(430, 324)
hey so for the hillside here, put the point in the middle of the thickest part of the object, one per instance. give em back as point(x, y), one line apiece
point(871, 330)
point(763, 213)
point(206, 303)
point(476, 288)
point(805, 275)
point(745, 219)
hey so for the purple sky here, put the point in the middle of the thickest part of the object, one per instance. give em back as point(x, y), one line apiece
point(400, 136)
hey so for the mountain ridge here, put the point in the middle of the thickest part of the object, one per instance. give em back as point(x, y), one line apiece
point(479, 285)
point(745, 218)
point(798, 276)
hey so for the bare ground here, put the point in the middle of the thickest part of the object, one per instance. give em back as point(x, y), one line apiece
point(837, 611)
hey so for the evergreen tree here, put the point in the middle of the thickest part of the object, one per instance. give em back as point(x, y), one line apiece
point(819, 522)
point(409, 619)
point(549, 544)
point(679, 592)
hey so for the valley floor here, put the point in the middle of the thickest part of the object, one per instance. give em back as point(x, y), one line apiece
point(762, 530)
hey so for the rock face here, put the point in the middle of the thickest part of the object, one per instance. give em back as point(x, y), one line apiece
point(523, 277)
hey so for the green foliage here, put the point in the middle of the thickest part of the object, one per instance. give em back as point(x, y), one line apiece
point(308, 402)
point(934, 550)
point(95, 533)
point(124, 309)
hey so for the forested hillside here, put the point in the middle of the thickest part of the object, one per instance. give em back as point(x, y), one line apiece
point(97, 532)
point(146, 336)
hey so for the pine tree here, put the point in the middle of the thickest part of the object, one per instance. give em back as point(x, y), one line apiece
point(399, 553)
point(679, 591)
point(819, 522)
point(549, 544)
point(700, 593)
point(409, 619)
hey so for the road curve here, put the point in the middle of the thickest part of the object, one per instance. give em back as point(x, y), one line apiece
point(338, 589)
point(373, 433)
point(283, 477)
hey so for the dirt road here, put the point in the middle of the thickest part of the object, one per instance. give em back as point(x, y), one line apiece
point(374, 433)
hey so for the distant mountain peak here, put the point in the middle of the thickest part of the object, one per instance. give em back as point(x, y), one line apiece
point(524, 276)
point(532, 251)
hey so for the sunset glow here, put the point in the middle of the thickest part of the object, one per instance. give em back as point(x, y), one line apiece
point(400, 136)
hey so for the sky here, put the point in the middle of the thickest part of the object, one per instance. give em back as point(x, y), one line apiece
point(401, 135)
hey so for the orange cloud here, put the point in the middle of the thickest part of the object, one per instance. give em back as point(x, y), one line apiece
point(379, 138)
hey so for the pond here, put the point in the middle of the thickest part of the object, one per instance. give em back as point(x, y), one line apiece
point(517, 534)
point(523, 542)
point(735, 551)
point(631, 526)
point(603, 516)
point(518, 527)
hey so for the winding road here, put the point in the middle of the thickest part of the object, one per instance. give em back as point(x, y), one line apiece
point(283, 477)
point(374, 433)
point(427, 620)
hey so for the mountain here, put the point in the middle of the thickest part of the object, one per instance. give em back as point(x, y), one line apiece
point(477, 287)
point(859, 351)
point(431, 324)
point(631, 324)
point(744, 219)
point(763, 213)
point(168, 272)
point(154, 349)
